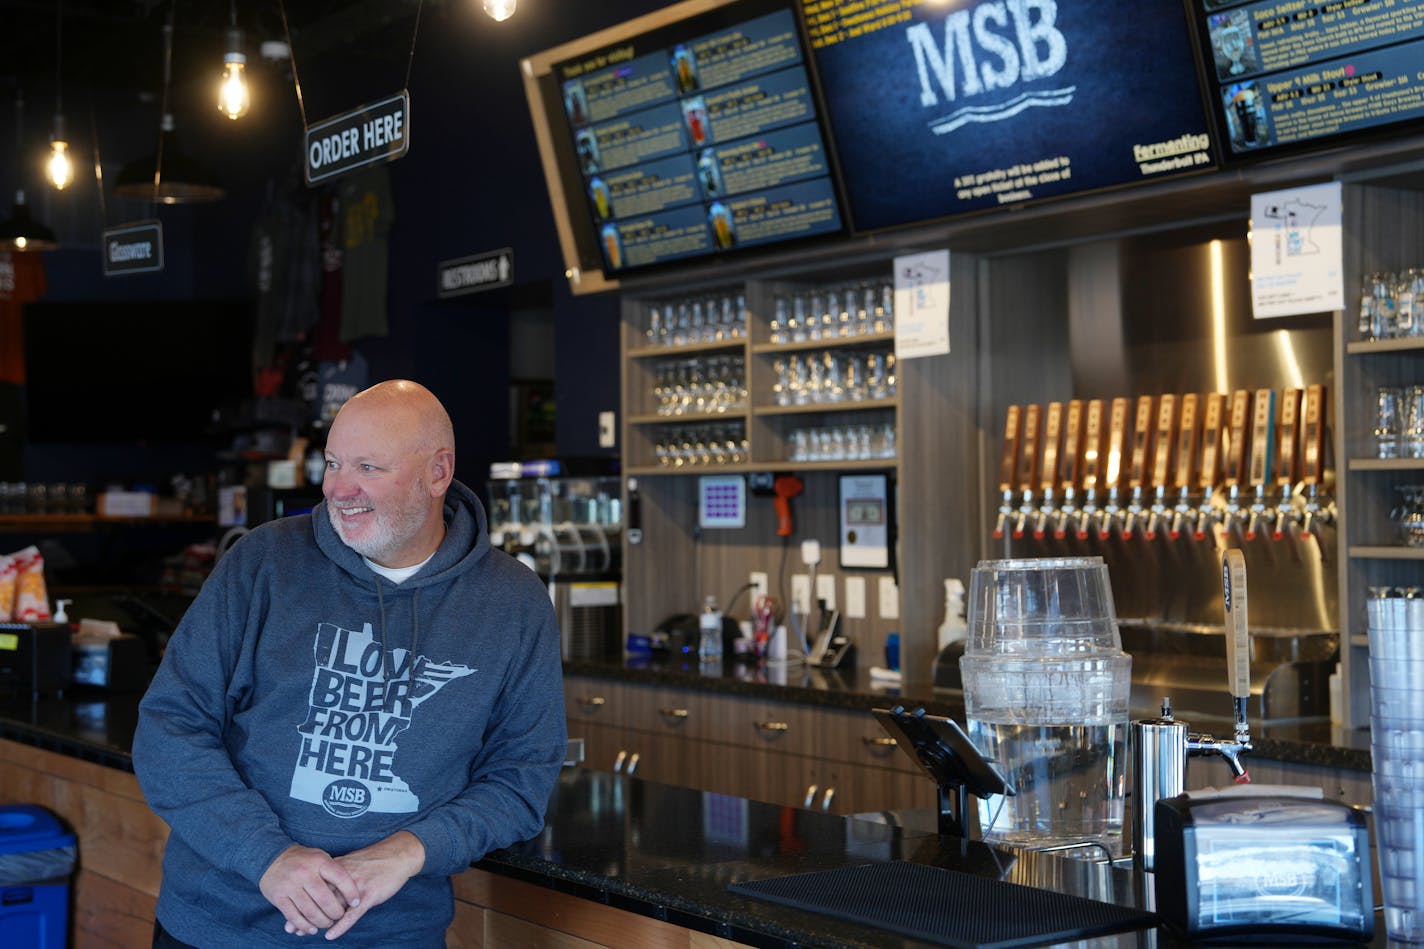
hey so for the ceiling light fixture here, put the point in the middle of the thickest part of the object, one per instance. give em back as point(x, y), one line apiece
point(500, 10)
point(21, 231)
point(233, 96)
point(59, 169)
point(168, 176)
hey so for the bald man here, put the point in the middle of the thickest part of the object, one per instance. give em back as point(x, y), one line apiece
point(360, 702)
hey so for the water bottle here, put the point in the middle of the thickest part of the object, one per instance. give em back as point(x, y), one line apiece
point(709, 624)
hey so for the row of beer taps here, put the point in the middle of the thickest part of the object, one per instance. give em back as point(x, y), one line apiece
point(1251, 464)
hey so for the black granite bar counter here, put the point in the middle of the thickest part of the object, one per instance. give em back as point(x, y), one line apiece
point(671, 853)
point(1316, 744)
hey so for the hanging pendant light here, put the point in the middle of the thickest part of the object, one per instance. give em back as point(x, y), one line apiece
point(500, 10)
point(59, 169)
point(233, 96)
point(21, 231)
point(179, 179)
point(168, 176)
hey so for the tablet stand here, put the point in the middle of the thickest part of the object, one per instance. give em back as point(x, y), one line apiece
point(945, 753)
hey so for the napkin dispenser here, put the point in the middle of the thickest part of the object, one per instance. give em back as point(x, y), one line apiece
point(1263, 863)
point(34, 657)
point(118, 663)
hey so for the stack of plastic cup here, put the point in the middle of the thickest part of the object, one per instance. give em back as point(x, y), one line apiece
point(1046, 687)
point(1396, 634)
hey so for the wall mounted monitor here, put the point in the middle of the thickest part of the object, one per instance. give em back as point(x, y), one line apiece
point(1289, 75)
point(686, 134)
point(941, 109)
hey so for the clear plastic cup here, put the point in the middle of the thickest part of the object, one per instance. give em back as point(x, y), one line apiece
point(1397, 706)
point(1057, 607)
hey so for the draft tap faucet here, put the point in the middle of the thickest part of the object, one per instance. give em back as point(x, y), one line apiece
point(1066, 512)
point(1006, 511)
point(1133, 511)
point(1183, 513)
point(1158, 513)
point(1109, 515)
point(1259, 512)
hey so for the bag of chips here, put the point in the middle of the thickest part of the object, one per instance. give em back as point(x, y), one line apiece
point(7, 588)
point(31, 597)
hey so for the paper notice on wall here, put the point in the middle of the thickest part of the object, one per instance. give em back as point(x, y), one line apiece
point(922, 304)
point(1297, 259)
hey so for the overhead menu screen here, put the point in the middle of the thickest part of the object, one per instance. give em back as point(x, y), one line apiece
point(700, 138)
point(940, 109)
point(1291, 73)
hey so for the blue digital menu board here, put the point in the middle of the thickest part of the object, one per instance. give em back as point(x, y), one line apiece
point(699, 138)
point(1291, 74)
point(944, 109)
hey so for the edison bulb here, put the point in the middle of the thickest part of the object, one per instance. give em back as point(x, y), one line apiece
point(59, 169)
point(500, 10)
point(233, 99)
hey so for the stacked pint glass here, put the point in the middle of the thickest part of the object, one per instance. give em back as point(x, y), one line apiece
point(1396, 634)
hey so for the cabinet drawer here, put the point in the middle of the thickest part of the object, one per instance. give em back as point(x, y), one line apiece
point(595, 700)
point(761, 724)
point(856, 737)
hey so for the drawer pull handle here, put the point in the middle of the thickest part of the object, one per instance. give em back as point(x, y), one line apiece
point(592, 701)
point(673, 712)
point(884, 742)
point(810, 796)
point(772, 726)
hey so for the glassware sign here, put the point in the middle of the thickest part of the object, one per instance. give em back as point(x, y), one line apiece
point(941, 109)
point(1290, 73)
point(698, 139)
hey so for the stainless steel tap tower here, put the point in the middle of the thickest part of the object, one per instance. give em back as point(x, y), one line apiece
point(1160, 747)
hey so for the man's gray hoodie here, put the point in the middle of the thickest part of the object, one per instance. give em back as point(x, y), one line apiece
point(305, 699)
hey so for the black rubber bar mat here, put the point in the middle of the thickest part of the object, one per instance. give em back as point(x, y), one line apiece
point(946, 906)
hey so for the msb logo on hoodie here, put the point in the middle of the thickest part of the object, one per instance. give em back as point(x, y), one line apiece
point(362, 698)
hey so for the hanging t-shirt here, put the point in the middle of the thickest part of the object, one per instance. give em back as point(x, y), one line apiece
point(22, 279)
point(338, 381)
point(326, 338)
point(366, 217)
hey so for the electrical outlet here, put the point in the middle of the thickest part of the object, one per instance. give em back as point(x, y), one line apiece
point(889, 598)
point(826, 589)
point(757, 579)
point(855, 597)
point(801, 593)
point(607, 422)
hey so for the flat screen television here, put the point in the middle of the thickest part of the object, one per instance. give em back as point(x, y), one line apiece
point(945, 109)
point(1286, 77)
point(690, 133)
point(139, 372)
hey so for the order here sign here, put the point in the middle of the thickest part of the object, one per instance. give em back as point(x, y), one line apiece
point(375, 132)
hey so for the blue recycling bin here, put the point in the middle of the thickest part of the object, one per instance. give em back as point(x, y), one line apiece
point(36, 861)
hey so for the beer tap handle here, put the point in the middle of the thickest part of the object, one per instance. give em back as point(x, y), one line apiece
point(1162, 468)
point(1209, 473)
point(1008, 459)
point(1048, 466)
point(1313, 464)
point(1069, 462)
point(1092, 459)
point(1263, 455)
point(1237, 442)
point(1238, 643)
point(1287, 455)
point(1138, 469)
point(1028, 466)
point(1117, 433)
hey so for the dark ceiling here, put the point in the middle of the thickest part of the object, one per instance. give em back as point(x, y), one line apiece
point(99, 50)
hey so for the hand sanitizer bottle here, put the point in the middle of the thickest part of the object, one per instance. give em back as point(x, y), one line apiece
point(954, 628)
point(709, 624)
